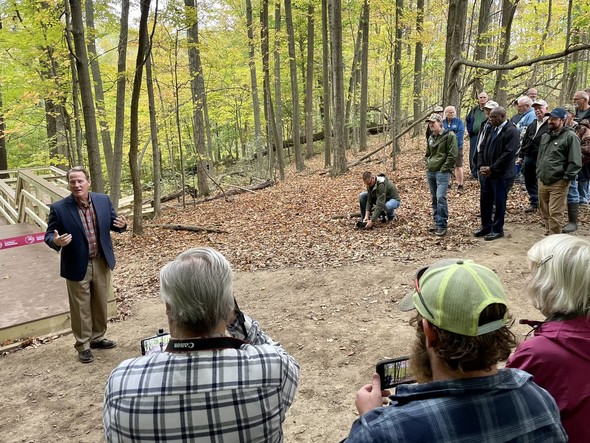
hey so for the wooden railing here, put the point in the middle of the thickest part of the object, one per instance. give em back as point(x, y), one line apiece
point(25, 196)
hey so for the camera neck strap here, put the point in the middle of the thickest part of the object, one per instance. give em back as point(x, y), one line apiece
point(203, 344)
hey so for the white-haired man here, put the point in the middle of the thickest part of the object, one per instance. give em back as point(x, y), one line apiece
point(221, 378)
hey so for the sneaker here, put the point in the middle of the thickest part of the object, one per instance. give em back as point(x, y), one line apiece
point(86, 356)
point(432, 229)
point(440, 232)
point(531, 209)
point(103, 344)
point(459, 189)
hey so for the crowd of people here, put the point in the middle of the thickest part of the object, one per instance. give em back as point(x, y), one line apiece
point(547, 149)
point(222, 378)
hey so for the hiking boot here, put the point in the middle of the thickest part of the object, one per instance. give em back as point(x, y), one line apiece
point(572, 218)
point(86, 356)
point(531, 209)
point(440, 232)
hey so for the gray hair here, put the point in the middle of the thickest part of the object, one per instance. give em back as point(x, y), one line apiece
point(77, 169)
point(198, 288)
point(560, 281)
point(527, 101)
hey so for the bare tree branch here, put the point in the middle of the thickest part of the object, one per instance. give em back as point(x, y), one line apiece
point(543, 58)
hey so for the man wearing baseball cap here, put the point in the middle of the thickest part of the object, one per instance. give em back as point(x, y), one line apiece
point(462, 332)
point(529, 149)
point(558, 162)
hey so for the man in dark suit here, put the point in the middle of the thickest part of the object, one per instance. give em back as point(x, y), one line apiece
point(79, 227)
point(495, 162)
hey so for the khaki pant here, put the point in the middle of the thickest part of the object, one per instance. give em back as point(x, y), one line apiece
point(552, 204)
point(88, 303)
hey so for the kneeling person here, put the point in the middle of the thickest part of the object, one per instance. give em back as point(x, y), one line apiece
point(380, 200)
point(461, 334)
point(207, 385)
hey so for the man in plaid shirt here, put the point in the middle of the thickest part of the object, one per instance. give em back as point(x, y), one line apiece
point(221, 378)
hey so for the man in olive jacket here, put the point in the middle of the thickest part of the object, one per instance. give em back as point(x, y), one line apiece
point(559, 160)
point(380, 199)
point(441, 154)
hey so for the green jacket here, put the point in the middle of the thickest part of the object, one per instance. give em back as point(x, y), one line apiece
point(559, 157)
point(382, 191)
point(441, 152)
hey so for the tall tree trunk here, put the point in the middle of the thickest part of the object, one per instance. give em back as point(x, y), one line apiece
point(396, 110)
point(481, 43)
point(120, 104)
point(570, 65)
point(143, 49)
point(294, 87)
point(364, 78)
point(309, 82)
point(326, 85)
point(90, 128)
point(456, 20)
point(177, 119)
point(79, 159)
point(156, 165)
point(418, 54)
point(105, 133)
point(278, 100)
point(500, 89)
point(254, 83)
point(339, 164)
point(197, 95)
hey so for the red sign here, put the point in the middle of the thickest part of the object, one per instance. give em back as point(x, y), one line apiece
point(22, 240)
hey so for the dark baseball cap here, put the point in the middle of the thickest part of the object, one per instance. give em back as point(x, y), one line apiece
point(558, 113)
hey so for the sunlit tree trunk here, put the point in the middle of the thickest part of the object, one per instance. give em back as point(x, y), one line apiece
point(326, 91)
point(339, 164)
point(278, 99)
point(156, 166)
point(88, 110)
point(500, 89)
point(309, 82)
point(197, 94)
point(457, 17)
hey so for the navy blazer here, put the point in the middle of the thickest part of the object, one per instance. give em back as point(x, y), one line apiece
point(65, 218)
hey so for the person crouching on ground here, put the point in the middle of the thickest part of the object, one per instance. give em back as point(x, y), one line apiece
point(441, 155)
point(557, 356)
point(462, 332)
point(379, 201)
point(221, 378)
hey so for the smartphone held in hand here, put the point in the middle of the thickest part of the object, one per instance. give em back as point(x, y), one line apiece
point(394, 372)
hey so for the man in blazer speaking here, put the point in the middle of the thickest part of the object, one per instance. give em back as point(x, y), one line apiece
point(79, 228)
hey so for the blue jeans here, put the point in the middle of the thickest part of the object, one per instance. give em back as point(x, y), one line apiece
point(583, 190)
point(573, 195)
point(472, 147)
point(493, 193)
point(530, 179)
point(438, 183)
point(390, 205)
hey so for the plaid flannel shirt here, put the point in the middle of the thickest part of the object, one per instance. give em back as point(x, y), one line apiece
point(226, 395)
point(506, 407)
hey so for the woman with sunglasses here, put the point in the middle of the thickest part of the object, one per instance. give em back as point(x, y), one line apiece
point(558, 355)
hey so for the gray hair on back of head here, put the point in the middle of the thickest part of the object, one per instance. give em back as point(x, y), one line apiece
point(198, 287)
point(560, 281)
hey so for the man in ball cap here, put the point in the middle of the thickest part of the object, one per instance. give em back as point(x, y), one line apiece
point(461, 334)
point(558, 162)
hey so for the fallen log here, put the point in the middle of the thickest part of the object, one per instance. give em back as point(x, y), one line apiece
point(231, 192)
point(191, 228)
point(346, 216)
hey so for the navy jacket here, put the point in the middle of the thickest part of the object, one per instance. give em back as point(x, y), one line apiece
point(64, 217)
point(499, 153)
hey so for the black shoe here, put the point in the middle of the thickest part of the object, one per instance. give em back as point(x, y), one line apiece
point(86, 356)
point(440, 232)
point(459, 189)
point(103, 344)
point(531, 209)
point(482, 232)
point(493, 236)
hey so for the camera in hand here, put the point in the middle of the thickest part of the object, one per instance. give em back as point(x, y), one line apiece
point(394, 372)
point(156, 343)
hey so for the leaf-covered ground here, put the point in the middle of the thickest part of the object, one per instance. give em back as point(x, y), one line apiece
point(291, 224)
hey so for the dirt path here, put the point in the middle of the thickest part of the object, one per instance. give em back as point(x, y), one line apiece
point(337, 322)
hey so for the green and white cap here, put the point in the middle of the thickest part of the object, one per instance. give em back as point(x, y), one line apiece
point(452, 293)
